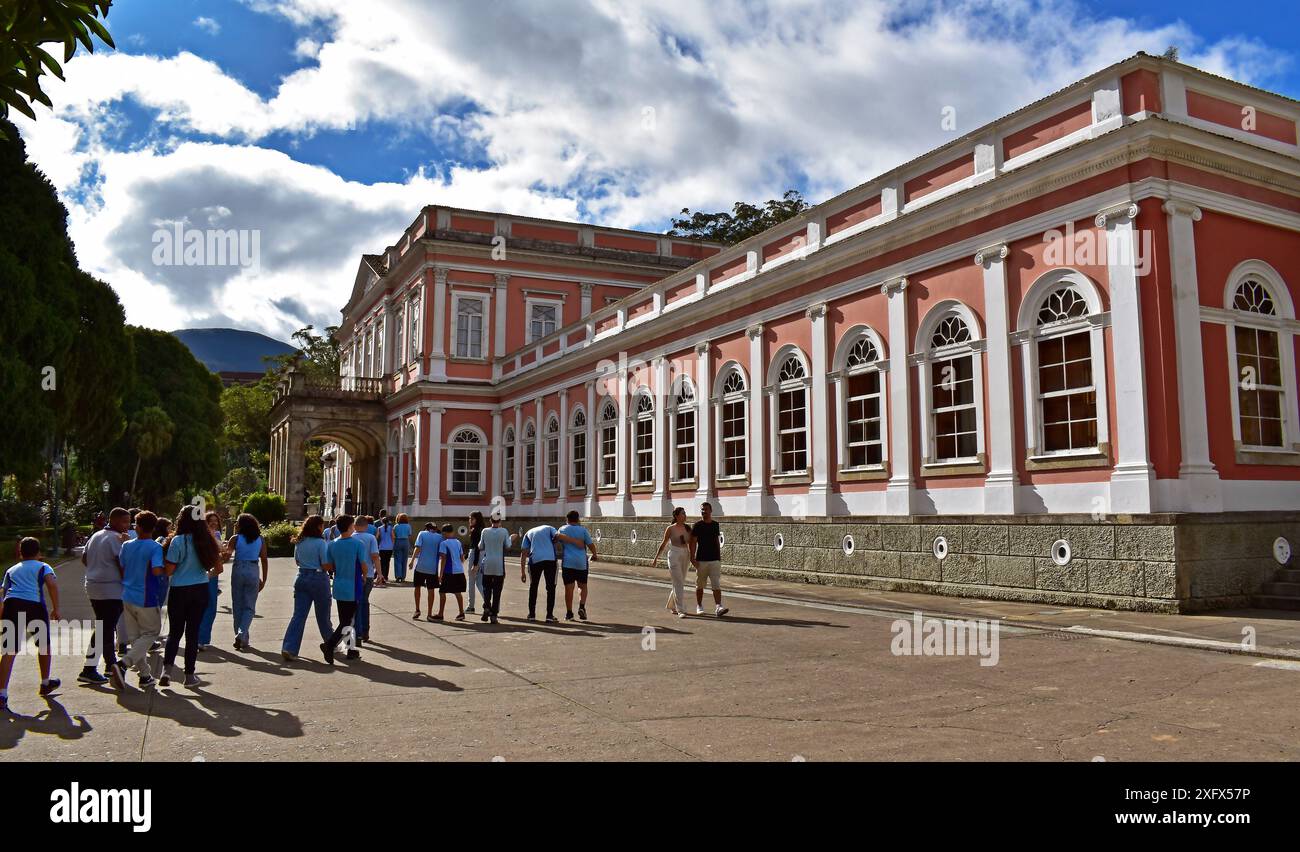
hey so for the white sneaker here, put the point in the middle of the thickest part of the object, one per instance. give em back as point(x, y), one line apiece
point(720, 610)
point(699, 610)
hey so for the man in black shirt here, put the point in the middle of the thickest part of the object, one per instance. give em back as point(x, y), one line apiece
point(706, 556)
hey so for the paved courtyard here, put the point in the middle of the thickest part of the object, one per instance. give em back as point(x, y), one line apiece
point(774, 680)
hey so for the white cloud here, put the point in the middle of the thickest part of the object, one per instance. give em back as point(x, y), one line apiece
point(209, 25)
point(748, 99)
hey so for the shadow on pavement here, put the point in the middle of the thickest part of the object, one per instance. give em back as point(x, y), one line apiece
point(198, 708)
point(53, 721)
point(402, 655)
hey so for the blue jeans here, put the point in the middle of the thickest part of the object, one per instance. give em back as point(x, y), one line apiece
point(310, 591)
point(209, 615)
point(244, 581)
point(363, 611)
point(401, 550)
point(475, 579)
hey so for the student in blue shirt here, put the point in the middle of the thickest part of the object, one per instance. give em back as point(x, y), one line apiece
point(144, 588)
point(311, 589)
point(383, 532)
point(193, 558)
point(23, 591)
point(538, 557)
point(492, 566)
point(248, 548)
point(426, 566)
point(401, 546)
point(451, 573)
point(364, 531)
point(345, 561)
point(577, 541)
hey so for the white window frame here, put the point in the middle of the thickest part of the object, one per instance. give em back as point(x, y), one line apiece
point(843, 372)
point(608, 462)
point(1029, 334)
point(413, 305)
point(479, 447)
point(676, 408)
point(552, 442)
point(508, 449)
point(578, 460)
point(529, 444)
point(534, 301)
point(485, 305)
point(642, 420)
point(776, 387)
point(922, 358)
point(1284, 325)
point(410, 437)
point(399, 337)
point(721, 401)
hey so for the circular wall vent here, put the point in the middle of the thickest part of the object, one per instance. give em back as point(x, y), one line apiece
point(722, 539)
point(598, 534)
point(847, 544)
point(1281, 550)
point(462, 530)
point(633, 536)
point(940, 547)
point(1061, 554)
point(779, 542)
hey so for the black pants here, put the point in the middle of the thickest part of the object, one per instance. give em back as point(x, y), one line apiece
point(492, 586)
point(535, 571)
point(385, 558)
point(107, 613)
point(185, 608)
point(347, 614)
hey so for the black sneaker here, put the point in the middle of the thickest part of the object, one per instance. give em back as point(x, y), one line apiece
point(117, 674)
point(532, 616)
point(164, 679)
point(494, 618)
point(470, 610)
point(146, 681)
point(568, 616)
point(328, 650)
point(50, 685)
point(550, 619)
point(582, 612)
point(191, 680)
point(353, 654)
point(461, 616)
point(437, 617)
point(91, 676)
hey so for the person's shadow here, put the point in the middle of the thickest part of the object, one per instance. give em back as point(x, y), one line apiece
point(198, 708)
point(55, 721)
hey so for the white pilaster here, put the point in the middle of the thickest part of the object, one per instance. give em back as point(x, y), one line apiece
point(518, 472)
point(562, 451)
point(590, 504)
point(704, 424)
point(819, 489)
point(622, 505)
point(498, 462)
point(898, 493)
point(539, 456)
point(661, 436)
point(1000, 484)
point(438, 351)
point(586, 299)
point(435, 459)
point(499, 330)
point(756, 495)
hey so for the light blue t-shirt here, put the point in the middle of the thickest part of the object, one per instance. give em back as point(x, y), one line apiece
point(575, 555)
point(540, 544)
point(26, 581)
point(311, 553)
point(367, 537)
point(140, 586)
point(492, 546)
point(247, 551)
point(347, 555)
point(385, 535)
point(428, 541)
point(402, 532)
point(189, 570)
point(455, 555)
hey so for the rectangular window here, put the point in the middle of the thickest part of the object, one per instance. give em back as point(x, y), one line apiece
point(733, 438)
point(469, 327)
point(542, 321)
point(609, 455)
point(553, 463)
point(465, 474)
point(1259, 387)
point(792, 422)
point(953, 409)
point(508, 474)
point(864, 442)
point(684, 441)
point(645, 451)
point(413, 312)
point(579, 451)
point(1066, 392)
point(530, 468)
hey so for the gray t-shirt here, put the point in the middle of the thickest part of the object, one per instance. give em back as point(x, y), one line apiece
point(103, 571)
point(492, 546)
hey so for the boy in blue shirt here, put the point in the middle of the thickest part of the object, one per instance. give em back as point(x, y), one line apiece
point(23, 592)
point(144, 588)
point(537, 554)
point(425, 557)
point(451, 573)
point(364, 532)
point(347, 559)
point(577, 541)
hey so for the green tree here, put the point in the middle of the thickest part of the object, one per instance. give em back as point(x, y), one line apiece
point(246, 410)
point(744, 220)
point(25, 25)
point(151, 434)
point(317, 355)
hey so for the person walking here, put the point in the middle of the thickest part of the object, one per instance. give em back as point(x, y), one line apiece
point(144, 588)
point(104, 588)
point(451, 573)
point(345, 562)
point(706, 556)
point(384, 534)
point(363, 531)
point(426, 566)
point(537, 552)
point(311, 588)
point(474, 579)
point(192, 560)
point(401, 546)
point(574, 566)
point(23, 593)
point(677, 537)
point(213, 521)
point(492, 567)
point(248, 548)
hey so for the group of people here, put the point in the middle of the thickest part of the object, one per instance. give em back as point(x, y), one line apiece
point(138, 563)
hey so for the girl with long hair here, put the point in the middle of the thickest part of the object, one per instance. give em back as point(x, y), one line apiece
point(248, 549)
point(475, 578)
point(192, 559)
point(311, 590)
point(677, 537)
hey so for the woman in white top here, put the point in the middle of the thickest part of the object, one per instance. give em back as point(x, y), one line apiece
point(677, 538)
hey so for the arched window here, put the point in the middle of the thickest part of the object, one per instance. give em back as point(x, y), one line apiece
point(578, 450)
point(508, 461)
point(530, 458)
point(682, 413)
point(465, 475)
point(609, 444)
point(860, 394)
point(553, 454)
point(733, 420)
point(643, 436)
point(1060, 326)
point(789, 409)
point(951, 381)
point(1261, 351)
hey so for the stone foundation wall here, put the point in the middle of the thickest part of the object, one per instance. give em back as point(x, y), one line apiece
point(1161, 563)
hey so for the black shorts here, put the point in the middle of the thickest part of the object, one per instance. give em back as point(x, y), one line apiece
point(453, 583)
point(573, 575)
point(428, 581)
point(30, 615)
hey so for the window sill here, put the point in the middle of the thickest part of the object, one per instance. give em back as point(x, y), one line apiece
point(643, 488)
point(1099, 457)
point(802, 477)
point(607, 489)
point(1268, 455)
point(954, 467)
point(466, 359)
point(731, 482)
point(466, 493)
point(863, 474)
point(680, 484)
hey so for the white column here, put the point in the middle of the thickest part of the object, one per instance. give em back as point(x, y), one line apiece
point(1132, 480)
point(1000, 484)
point(590, 504)
point(539, 459)
point(498, 470)
point(819, 490)
point(623, 505)
point(499, 332)
point(661, 436)
point(562, 460)
point(898, 493)
point(756, 495)
point(518, 472)
point(435, 458)
point(704, 424)
point(438, 353)
point(1201, 486)
point(586, 300)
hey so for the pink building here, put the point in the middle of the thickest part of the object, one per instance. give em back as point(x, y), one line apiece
point(1054, 359)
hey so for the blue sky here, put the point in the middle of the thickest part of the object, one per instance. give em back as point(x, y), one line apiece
point(327, 124)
